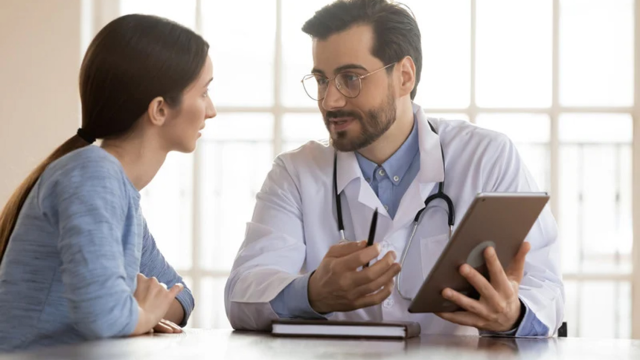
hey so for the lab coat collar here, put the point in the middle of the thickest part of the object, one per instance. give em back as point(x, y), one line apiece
point(431, 161)
point(431, 171)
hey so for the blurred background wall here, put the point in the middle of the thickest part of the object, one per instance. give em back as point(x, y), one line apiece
point(39, 105)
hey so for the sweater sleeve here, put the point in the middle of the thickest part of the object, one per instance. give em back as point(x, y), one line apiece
point(88, 203)
point(154, 264)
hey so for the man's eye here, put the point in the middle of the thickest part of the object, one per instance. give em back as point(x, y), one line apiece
point(350, 77)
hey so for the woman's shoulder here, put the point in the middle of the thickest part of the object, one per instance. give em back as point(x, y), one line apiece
point(89, 167)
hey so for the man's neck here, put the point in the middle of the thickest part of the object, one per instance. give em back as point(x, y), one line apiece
point(383, 148)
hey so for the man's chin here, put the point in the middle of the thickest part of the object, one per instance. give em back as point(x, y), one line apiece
point(343, 143)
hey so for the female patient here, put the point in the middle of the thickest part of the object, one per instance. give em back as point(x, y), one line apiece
point(77, 261)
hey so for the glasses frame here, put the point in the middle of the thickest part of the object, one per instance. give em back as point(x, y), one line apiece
point(338, 85)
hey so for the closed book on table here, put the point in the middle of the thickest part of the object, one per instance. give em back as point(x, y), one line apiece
point(347, 329)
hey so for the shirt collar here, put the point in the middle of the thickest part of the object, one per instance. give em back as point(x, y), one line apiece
point(431, 164)
point(397, 165)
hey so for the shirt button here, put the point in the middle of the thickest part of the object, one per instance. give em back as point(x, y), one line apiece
point(386, 207)
point(396, 178)
point(387, 303)
point(381, 172)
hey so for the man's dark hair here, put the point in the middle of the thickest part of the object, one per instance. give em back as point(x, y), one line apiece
point(396, 32)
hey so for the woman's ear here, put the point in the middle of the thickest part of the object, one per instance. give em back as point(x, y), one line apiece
point(158, 111)
point(407, 76)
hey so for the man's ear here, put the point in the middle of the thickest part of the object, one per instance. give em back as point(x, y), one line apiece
point(158, 111)
point(407, 70)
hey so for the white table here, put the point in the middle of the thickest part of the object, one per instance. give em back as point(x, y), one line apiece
point(225, 344)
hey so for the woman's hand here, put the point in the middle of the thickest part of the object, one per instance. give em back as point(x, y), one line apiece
point(153, 301)
point(167, 327)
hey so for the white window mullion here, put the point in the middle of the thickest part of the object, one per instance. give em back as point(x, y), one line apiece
point(635, 302)
point(472, 111)
point(278, 112)
point(554, 145)
point(197, 195)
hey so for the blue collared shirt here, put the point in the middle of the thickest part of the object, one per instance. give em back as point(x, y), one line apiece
point(389, 181)
point(392, 179)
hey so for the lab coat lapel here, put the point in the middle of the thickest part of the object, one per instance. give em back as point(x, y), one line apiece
point(361, 200)
point(430, 174)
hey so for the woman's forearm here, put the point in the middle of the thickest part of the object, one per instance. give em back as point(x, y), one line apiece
point(175, 313)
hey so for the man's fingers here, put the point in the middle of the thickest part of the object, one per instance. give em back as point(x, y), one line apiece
point(464, 318)
point(373, 272)
point(465, 302)
point(345, 248)
point(375, 299)
point(498, 277)
point(516, 269)
point(358, 258)
point(482, 285)
point(377, 283)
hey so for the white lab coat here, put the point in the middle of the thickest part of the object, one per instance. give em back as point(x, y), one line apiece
point(295, 223)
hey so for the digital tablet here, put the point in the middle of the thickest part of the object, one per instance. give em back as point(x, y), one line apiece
point(501, 220)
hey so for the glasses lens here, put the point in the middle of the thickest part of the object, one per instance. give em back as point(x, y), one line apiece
point(315, 86)
point(348, 84)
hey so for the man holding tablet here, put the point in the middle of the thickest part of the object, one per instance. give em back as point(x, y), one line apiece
point(305, 249)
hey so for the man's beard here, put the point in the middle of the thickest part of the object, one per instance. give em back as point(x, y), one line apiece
point(375, 123)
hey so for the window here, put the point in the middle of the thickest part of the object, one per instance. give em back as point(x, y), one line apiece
point(556, 76)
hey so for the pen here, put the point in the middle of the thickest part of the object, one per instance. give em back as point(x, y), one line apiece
point(372, 231)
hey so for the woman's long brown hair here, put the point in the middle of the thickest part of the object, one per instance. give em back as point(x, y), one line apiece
point(131, 61)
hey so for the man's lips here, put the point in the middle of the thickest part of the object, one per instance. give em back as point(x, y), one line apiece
point(341, 123)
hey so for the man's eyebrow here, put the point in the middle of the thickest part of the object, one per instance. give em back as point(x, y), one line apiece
point(349, 67)
point(340, 69)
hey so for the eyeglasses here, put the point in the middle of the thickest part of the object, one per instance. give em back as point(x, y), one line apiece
point(348, 84)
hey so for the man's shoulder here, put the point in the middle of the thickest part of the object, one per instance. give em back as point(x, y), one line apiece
point(456, 132)
point(456, 128)
point(313, 154)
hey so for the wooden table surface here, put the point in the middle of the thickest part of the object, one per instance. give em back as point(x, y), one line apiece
point(225, 344)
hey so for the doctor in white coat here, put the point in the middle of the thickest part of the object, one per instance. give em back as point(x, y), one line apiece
point(385, 155)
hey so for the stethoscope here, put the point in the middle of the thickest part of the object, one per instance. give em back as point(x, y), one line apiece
point(438, 195)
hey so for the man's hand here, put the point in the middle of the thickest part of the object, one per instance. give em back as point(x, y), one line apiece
point(337, 285)
point(499, 306)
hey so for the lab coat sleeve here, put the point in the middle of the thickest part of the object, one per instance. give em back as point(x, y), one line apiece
point(530, 326)
point(541, 288)
point(271, 256)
